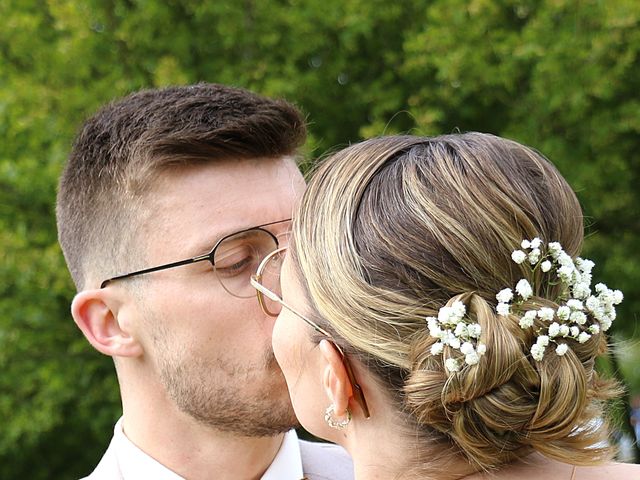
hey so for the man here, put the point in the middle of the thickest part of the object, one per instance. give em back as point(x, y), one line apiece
point(169, 201)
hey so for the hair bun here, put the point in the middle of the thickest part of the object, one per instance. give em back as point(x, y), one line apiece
point(509, 401)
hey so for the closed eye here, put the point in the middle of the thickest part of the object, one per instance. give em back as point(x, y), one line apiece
point(236, 259)
point(236, 268)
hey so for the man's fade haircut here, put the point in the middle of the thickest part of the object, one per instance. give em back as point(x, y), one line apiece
point(125, 145)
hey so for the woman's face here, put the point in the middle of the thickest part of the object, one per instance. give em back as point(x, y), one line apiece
point(299, 357)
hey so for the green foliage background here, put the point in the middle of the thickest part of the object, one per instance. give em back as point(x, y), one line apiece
point(560, 75)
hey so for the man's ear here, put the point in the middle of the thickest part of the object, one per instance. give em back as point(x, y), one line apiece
point(336, 380)
point(96, 314)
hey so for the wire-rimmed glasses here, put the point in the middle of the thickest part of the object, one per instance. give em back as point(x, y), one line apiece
point(234, 258)
point(266, 282)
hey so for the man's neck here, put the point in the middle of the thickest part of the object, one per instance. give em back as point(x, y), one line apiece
point(195, 451)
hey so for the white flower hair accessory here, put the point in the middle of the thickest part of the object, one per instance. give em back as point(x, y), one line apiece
point(452, 329)
point(583, 312)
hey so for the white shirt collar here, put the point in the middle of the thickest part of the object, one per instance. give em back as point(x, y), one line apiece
point(135, 464)
point(287, 465)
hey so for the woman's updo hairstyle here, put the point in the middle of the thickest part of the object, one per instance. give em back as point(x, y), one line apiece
point(394, 228)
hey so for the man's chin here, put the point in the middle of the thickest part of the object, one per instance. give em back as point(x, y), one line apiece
point(269, 412)
point(280, 419)
point(281, 402)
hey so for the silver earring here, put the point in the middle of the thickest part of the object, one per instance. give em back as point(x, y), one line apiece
point(332, 422)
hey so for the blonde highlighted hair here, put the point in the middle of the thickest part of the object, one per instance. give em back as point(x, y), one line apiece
point(393, 228)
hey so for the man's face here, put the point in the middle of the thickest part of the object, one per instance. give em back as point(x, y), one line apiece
point(212, 351)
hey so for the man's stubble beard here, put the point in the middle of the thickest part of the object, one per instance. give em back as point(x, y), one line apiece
point(215, 392)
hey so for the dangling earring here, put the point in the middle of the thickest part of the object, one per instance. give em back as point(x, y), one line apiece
point(332, 422)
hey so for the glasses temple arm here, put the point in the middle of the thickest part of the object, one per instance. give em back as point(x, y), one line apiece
point(199, 258)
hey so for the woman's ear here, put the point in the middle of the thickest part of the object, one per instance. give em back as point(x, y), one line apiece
point(96, 314)
point(335, 379)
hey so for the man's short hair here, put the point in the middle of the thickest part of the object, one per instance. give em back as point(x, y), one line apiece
point(122, 148)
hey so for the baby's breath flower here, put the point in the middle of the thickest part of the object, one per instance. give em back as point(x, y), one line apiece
point(606, 297)
point(505, 295)
point(599, 313)
point(581, 290)
point(592, 303)
point(526, 322)
point(474, 330)
point(574, 331)
point(524, 289)
point(546, 313)
point(564, 330)
point(534, 256)
point(543, 340)
point(563, 312)
point(536, 242)
point(554, 249)
point(583, 337)
point(565, 261)
point(594, 329)
point(537, 352)
point(617, 297)
point(578, 317)
point(482, 349)
point(452, 340)
point(601, 287)
point(584, 265)
point(434, 327)
point(518, 256)
point(437, 348)
point(545, 266)
point(451, 364)
point(461, 330)
point(471, 358)
point(503, 309)
point(466, 348)
point(566, 274)
point(458, 309)
point(444, 315)
point(554, 329)
point(562, 348)
point(574, 304)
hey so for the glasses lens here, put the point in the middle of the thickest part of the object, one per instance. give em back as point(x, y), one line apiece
point(238, 256)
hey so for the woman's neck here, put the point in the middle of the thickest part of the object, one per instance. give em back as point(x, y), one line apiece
point(384, 447)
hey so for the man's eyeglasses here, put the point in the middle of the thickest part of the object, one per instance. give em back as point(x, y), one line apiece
point(266, 281)
point(235, 257)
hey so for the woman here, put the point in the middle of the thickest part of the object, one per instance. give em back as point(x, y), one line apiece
point(431, 296)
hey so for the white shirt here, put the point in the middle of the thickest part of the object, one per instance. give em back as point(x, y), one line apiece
point(136, 464)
